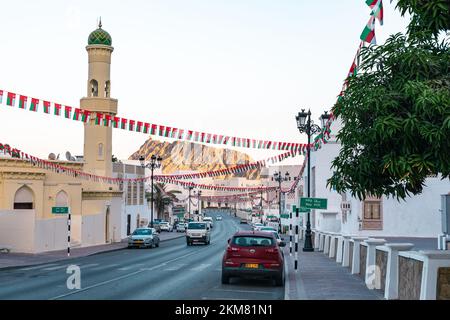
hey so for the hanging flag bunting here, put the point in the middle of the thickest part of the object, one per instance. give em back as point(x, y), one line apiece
point(76, 114)
point(368, 34)
point(11, 99)
point(46, 106)
point(377, 9)
point(34, 105)
point(67, 112)
point(1, 96)
point(57, 107)
point(85, 116)
point(22, 102)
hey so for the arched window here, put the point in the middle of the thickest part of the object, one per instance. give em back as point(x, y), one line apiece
point(62, 199)
point(23, 199)
point(107, 85)
point(94, 88)
point(100, 150)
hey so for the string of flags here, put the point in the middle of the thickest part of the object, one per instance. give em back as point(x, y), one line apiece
point(109, 120)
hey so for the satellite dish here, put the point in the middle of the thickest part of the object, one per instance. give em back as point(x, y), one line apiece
point(52, 156)
point(73, 159)
point(68, 156)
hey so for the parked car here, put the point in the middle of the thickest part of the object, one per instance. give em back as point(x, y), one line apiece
point(275, 233)
point(156, 226)
point(257, 226)
point(243, 221)
point(144, 237)
point(218, 218)
point(198, 232)
point(255, 254)
point(209, 220)
point(181, 227)
point(166, 226)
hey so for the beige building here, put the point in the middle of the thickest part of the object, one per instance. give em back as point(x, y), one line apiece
point(28, 193)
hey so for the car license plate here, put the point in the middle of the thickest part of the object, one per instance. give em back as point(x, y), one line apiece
point(138, 240)
point(252, 265)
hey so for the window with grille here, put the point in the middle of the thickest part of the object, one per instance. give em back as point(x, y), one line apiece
point(142, 193)
point(134, 193)
point(372, 214)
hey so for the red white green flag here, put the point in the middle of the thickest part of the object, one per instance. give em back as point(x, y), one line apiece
point(1, 96)
point(161, 130)
point(98, 118)
point(368, 34)
point(22, 102)
point(57, 109)
point(85, 116)
point(116, 122)
point(46, 106)
point(180, 133)
point(146, 127)
point(76, 114)
point(67, 111)
point(107, 120)
point(139, 126)
point(173, 134)
point(131, 125)
point(189, 135)
point(34, 104)
point(123, 123)
point(377, 9)
point(153, 129)
point(202, 137)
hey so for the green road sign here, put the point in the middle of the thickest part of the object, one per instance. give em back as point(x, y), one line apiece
point(303, 209)
point(285, 216)
point(313, 203)
point(60, 210)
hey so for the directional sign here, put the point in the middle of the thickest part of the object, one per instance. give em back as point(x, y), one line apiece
point(285, 216)
point(313, 203)
point(303, 209)
point(60, 210)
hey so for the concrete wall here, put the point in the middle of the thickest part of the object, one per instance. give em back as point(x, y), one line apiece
point(93, 229)
point(50, 234)
point(17, 230)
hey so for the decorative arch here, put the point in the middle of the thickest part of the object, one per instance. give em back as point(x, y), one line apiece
point(62, 199)
point(94, 87)
point(24, 198)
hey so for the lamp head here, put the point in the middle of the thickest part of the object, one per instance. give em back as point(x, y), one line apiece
point(301, 118)
point(142, 161)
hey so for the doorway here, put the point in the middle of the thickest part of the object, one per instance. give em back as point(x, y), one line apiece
point(128, 224)
point(107, 226)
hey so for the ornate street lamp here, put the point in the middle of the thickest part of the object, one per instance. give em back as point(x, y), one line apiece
point(155, 162)
point(189, 188)
point(306, 125)
point(199, 193)
point(277, 177)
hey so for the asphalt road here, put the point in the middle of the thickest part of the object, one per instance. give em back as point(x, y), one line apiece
point(173, 271)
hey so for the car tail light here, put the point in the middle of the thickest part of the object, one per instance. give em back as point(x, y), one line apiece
point(272, 250)
point(232, 249)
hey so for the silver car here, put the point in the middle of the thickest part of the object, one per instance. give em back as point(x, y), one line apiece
point(181, 227)
point(143, 237)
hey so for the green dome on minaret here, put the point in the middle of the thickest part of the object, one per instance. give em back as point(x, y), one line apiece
point(99, 36)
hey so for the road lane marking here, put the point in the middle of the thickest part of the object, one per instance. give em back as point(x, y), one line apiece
point(130, 267)
point(108, 266)
point(125, 275)
point(176, 267)
point(244, 291)
point(201, 267)
point(55, 268)
point(89, 265)
point(38, 267)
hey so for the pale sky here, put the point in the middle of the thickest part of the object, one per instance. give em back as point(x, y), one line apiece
point(235, 67)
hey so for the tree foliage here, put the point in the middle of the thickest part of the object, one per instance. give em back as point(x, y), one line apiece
point(396, 111)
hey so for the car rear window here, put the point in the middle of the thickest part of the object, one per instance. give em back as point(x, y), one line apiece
point(197, 225)
point(253, 241)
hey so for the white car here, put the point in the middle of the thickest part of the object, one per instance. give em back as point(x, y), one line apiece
point(181, 227)
point(257, 226)
point(209, 220)
point(165, 226)
point(275, 233)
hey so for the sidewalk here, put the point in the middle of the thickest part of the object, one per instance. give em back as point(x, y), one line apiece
point(8, 260)
point(321, 278)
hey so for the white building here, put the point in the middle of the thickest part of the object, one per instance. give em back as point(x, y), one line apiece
point(417, 216)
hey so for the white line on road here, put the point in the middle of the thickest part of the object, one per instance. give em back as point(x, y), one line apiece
point(55, 268)
point(176, 267)
point(89, 265)
point(201, 267)
point(126, 275)
point(130, 267)
point(244, 291)
point(108, 266)
point(38, 267)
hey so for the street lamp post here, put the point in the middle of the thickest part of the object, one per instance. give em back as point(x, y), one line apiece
point(305, 124)
point(199, 193)
point(155, 162)
point(189, 188)
point(277, 177)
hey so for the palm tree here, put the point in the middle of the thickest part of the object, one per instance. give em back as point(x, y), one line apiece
point(162, 197)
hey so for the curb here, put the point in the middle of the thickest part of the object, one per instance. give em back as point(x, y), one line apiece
point(71, 258)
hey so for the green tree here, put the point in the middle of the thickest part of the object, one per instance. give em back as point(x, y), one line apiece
point(396, 111)
point(162, 197)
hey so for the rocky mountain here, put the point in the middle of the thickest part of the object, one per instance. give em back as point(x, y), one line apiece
point(188, 156)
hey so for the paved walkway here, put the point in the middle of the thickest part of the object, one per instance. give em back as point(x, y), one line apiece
point(321, 278)
point(27, 259)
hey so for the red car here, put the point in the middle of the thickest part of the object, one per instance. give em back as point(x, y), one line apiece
point(253, 254)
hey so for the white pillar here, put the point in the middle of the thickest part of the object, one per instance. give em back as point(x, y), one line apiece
point(434, 259)
point(391, 284)
point(326, 244)
point(346, 251)
point(373, 275)
point(316, 240)
point(332, 251)
point(356, 256)
point(321, 241)
point(340, 242)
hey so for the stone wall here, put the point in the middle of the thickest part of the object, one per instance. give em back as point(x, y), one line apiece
point(410, 277)
point(381, 263)
point(350, 260)
point(443, 284)
point(362, 261)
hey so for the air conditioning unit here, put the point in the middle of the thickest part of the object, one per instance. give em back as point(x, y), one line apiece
point(346, 206)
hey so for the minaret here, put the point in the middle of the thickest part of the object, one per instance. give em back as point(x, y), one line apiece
point(98, 138)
